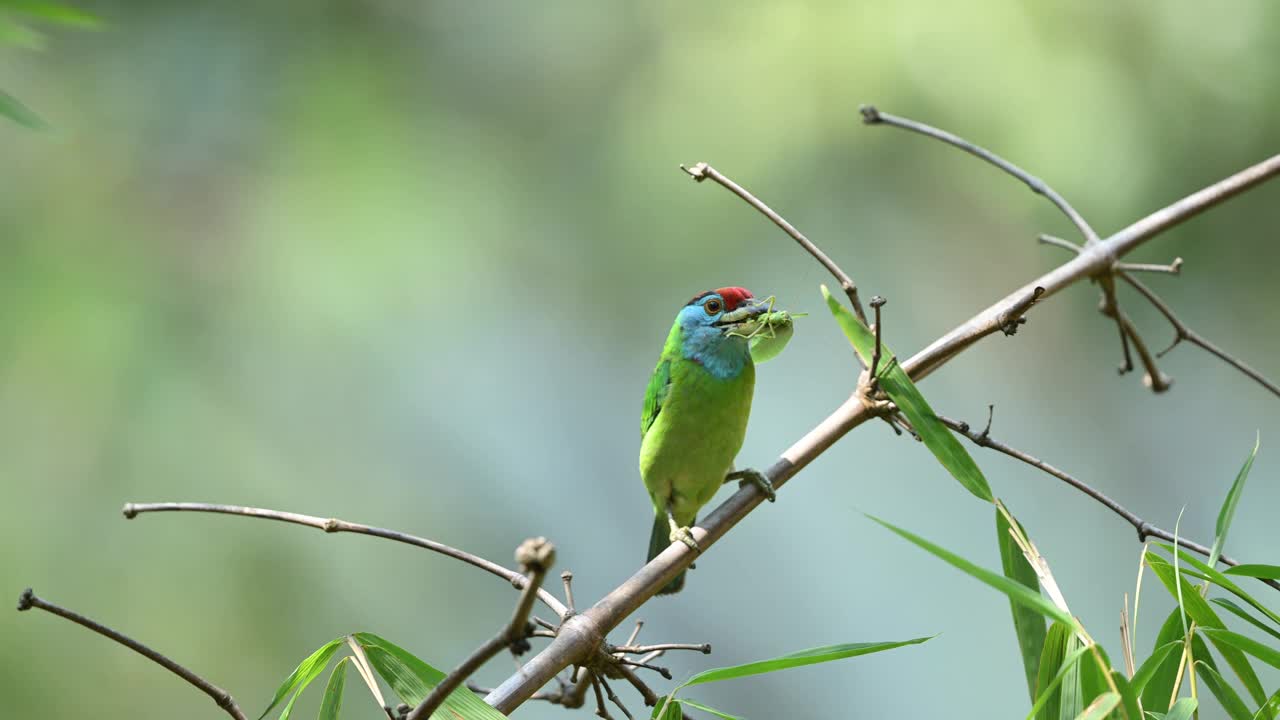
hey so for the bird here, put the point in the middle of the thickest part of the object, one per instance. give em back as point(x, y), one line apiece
point(695, 413)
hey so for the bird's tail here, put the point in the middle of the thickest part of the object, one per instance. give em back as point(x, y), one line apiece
point(659, 539)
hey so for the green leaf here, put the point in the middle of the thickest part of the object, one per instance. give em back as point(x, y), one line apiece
point(1061, 653)
point(1094, 675)
point(302, 675)
point(54, 13)
point(1266, 654)
point(1214, 576)
point(1015, 590)
point(1100, 707)
point(331, 706)
point(1256, 570)
point(1148, 668)
point(1182, 710)
point(1198, 608)
point(1161, 679)
point(1028, 625)
point(668, 708)
point(1270, 709)
point(13, 109)
point(1244, 615)
point(804, 657)
point(412, 679)
point(1230, 700)
point(705, 709)
point(1228, 510)
point(898, 386)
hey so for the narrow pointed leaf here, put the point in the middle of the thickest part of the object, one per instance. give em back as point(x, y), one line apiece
point(804, 657)
point(668, 708)
point(1244, 615)
point(1058, 664)
point(54, 12)
point(1231, 702)
point(1270, 709)
point(1268, 655)
point(1100, 707)
point(1148, 668)
point(306, 671)
point(12, 108)
point(331, 706)
point(899, 387)
point(1182, 710)
point(1028, 625)
point(1218, 578)
point(1256, 570)
point(1094, 677)
point(713, 711)
point(1161, 679)
point(1015, 590)
point(412, 679)
point(1199, 610)
point(1228, 510)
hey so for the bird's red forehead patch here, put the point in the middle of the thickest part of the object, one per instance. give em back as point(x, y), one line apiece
point(734, 296)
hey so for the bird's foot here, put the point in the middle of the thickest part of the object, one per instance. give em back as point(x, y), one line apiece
point(754, 477)
point(684, 535)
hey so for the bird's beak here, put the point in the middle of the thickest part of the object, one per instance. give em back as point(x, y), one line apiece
point(745, 313)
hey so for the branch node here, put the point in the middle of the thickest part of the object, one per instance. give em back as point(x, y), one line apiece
point(698, 172)
point(129, 511)
point(870, 115)
point(536, 555)
point(25, 600)
point(1012, 318)
point(332, 525)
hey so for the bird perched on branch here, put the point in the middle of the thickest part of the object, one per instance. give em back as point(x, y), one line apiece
point(696, 408)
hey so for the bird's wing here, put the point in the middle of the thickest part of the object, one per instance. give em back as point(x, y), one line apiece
point(655, 394)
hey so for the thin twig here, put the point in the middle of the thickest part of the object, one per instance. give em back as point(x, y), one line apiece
point(614, 698)
point(664, 672)
point(567, 578)
point(704, 648)
point(1059, 242)
point(587, 627)
point(536, 557)
point(334, 525)
point(28, 599)
point(635, 633)
point(1144, 529)
point(1185, 333)
point(601, 709)
point(872, 116)
point(1173, 268)
point(702, 171)
point(1110, 307)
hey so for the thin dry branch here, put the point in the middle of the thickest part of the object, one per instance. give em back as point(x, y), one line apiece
point(535, 556)
point(1144, 529)
point(29, 600)
point(581, 634)
point(1182, 332)
point(872, 116)
point(702, 171)
point(334, 525)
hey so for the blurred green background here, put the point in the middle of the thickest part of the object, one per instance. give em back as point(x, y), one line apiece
point(411, 264)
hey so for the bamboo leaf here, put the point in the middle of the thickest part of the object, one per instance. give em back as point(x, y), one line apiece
point(1266, 654)
point(12, 108)
point(1216, 577)
point(1100, 707)
point(1161, 678)
point(1015, 590)
point(1061, 653)
point(306, 671)
point(412, 679)
point(1028, 625)
point(1204, 616)
point(1256, 570)
point(1182, 710)
point(1228, 510)
point(331, 706)
point(1270, 709)
point(1244, 615)
point(705, 709)
point(1226, 695)
point(1150, 666)
point(899, 387)
point(804, 657)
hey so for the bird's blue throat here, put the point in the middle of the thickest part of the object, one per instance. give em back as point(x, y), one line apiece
point(722, 356)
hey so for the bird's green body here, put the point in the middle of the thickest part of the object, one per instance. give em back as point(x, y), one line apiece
point(695, 415)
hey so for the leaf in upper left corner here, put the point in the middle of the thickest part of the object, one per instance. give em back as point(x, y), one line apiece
point(898, 386)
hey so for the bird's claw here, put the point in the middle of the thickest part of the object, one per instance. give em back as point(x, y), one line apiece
point(684, 535)
point(754, 477)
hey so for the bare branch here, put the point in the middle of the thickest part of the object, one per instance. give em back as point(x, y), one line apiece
point(567, 578)
point(872, 116)
point(1173, 268)
point(702, 171)
point(1144, 529)
point(535, 556)
point(334, 525)
point(704, 648)
point(29, 600)
point(581, 634)
point(1012, 318)
point(614, 698)
point(1185, 333)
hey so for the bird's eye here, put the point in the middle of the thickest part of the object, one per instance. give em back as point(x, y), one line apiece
point(712, 307)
